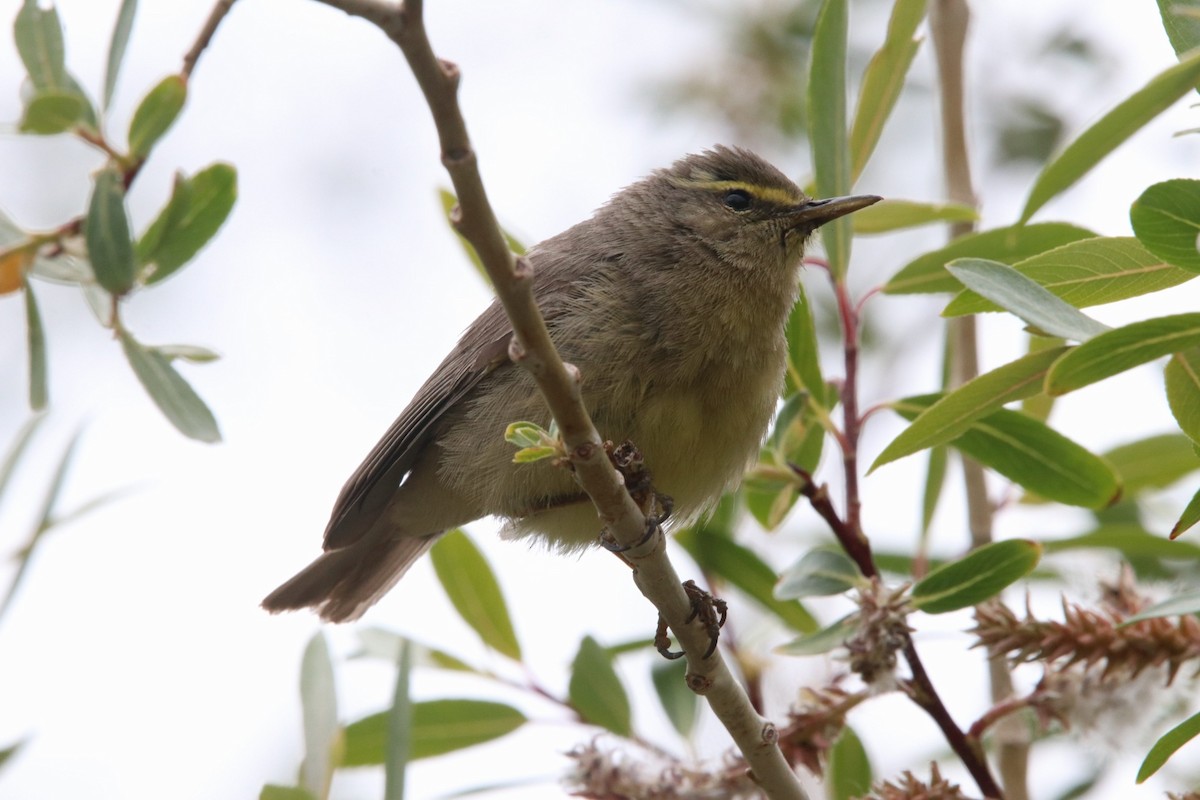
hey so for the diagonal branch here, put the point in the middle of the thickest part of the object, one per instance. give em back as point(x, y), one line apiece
point(654, 575)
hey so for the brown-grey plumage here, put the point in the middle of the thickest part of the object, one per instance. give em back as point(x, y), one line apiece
point(672, 301)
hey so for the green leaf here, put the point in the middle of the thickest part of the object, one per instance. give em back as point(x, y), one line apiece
point(399, 729)
point(1132, 541)
point(39, 38)
point(449, 201)
point(438, 727)
point(1155, 462)
point(849, 768)
point(596, 692)
point(1088, 273)
point(318, 699)
point(1032, 455)
point(1021, 296)
point(1182, 378)
point(955, 412)
point(678, 701)
point(110, 247)
point(935, 479)
point(893, 215)
point(804, 363)
point(1166, 746)
point(1180, 605)
point(1166, 219)
point(726, 559)
point(16, 449)
point(819, 573)
point(197, 209)
point(36, 336)
point(155, 115)
point(822, 641)
point(387, 645)
point(827, 124)
point(272, 792)
point(981, 574)
point(51, 112)
point(1121, 349)
point(177, 400)
point(1181, 21)
point(11, 750)
point(1039, 406)
point(191, 353)
point(1090, 147)
point(1011, 245)
point(882, 81)
point(473, 589)
point(116, 48)
point(1189, 517)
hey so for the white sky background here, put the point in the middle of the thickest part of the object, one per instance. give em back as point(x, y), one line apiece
point(136, 658)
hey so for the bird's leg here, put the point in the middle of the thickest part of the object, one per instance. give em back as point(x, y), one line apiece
point(628, 461)
point(711, 611)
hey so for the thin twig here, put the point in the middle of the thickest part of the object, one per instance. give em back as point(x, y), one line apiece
point(205, 36)
point(654, 575)
point(948, 23)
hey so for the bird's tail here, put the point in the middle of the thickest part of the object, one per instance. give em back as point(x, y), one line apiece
point(341, 584)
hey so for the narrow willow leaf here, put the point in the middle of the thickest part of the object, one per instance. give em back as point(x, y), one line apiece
point(473, 589)
point(155, 115)
point(1039, 406)
point(954, 413)
point(1166, 219)
point(741, 567)
point(1032, 455)
point(1091, 146)
point(1021, 296)
point(596, 692)
point(927, 273)
point(198, 207)
point(804, 363)
point(1180, 605)
point(36, 335)
point(882, 81)
point(1155, 462)
point(849, 771)
point(893, 215)
point(385, 644)
point(981, 574)
point(173, 395)
point(39, 38)
point(438, 727)
point(823, 641)
point(769, 501)
point(1166, 746)
point(449, 201)
point(16, 449)
point(935, 479)
point(1182, 378)
point(1181, 21)
point(116, 49)
point(110, 247)
point(1189, 517)
point(51, 112)
point(318, 699)
point(273, 792)
point(827, 123)
point(819, 573)
point(1121, 349)
point(678, 701)
point(399, 730)
point(1132, 541)
point(1088, 273)
point(191, 353)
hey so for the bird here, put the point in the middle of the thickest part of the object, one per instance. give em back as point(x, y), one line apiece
point(671, 300)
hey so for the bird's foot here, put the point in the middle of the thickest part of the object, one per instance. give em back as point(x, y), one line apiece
point(711, 611)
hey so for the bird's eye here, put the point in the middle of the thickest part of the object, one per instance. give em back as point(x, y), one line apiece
point(737, 200)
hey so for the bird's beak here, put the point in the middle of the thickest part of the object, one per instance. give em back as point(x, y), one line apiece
point(816, 213)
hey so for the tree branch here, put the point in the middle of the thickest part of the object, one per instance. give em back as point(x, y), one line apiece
point(205, 36)
point(948, 24)
point(654, 575)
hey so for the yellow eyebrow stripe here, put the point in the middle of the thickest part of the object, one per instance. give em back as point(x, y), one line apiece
point(772, 194)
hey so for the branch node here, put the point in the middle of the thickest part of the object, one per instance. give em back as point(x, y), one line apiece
point(516, 351)
point(451, 71)
point(457, 157)
point(456, 217)
point(700, 684)
point(522, 269)
point(770, 734)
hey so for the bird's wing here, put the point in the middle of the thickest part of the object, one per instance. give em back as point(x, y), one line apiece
point(482, 350)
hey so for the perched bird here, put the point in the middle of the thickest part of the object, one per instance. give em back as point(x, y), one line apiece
point(671, 300)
